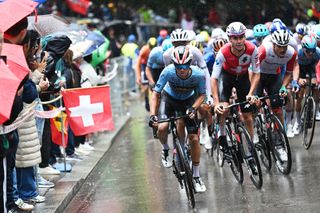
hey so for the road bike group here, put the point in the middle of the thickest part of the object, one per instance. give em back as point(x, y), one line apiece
point(241, 93)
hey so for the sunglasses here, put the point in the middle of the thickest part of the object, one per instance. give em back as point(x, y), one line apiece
point(182, 66)
point(309, 51)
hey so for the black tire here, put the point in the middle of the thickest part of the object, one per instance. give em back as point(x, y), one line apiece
point(277, 135)
point(262, 148)
point(309, 121)
point(249, 153)
point(233, 161)
point(187, 177)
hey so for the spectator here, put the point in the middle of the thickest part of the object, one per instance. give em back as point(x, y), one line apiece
point(114, 45)
point(187, 23)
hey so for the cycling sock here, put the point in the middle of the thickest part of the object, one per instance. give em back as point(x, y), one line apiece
point(196, 171)
point(288, 117)
point(222, 130)
point(165, 146)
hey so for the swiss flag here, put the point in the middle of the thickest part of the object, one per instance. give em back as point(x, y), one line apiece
point(88, 109)
point(79, 6)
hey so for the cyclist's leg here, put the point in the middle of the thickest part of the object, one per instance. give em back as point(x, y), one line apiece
point(243, 87)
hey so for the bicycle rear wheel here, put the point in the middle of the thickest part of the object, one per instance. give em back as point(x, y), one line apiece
point(262, 148)
point(309, 120)
point(279, 141)
point(250, 156)
point(186, 174)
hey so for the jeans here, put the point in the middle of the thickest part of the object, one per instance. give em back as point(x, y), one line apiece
point(12, 195)
point(26, 183)
point(3, 182)
point(46, 145)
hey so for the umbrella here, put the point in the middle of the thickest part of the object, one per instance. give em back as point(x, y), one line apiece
point(11, 74)
point(97, 40)
point(12, 11)
point(48, 24)
point(100, 54)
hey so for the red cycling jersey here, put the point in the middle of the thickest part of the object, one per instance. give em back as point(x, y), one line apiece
point(235, 65)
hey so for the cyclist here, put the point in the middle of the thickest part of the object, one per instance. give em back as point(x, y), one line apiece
point(308, 57)
point(141, 78)
point(155, 62)
point(178, 83)
point(301, 30)
point(231, 70)
point(182, 38)
point(260, 31)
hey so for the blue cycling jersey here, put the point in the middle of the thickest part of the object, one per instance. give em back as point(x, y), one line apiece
point(181, 89)
point(304, 60)
point(209, 59)
point(155, 60)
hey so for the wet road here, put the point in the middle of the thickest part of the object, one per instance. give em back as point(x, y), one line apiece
point(130, 178)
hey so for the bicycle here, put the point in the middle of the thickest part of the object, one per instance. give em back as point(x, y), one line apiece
point(242, 145)
point(308, 115)
point(180, 161)
point(272, 137)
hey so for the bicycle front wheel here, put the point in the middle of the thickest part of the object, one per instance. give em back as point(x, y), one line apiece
point(280, 145)
point(187, 176)
point(309, 121)
point(262, 148)
point(250, 156)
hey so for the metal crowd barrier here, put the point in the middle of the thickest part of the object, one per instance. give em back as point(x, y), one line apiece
point(121, 78)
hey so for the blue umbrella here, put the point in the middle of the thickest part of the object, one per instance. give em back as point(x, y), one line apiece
point(97, 40)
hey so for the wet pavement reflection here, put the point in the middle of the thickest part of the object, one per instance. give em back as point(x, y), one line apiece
point(130, 178)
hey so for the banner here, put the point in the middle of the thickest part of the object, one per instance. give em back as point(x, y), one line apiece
point(88, 109)
point(55, 125)
point(79, 6)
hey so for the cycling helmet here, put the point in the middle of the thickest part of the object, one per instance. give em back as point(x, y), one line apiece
point(166, 44)
point(196, 44)
point(249, 34)
point(218, 33)
point(179, 35)
point(260, 30)
point(152, 42)
point(181, 55)
point(277, 24)
point(301, 29)
point(217, 44)
point(309, 42)
point(268, 25)
point(131, 38)
point(200, 38)
point(205, 35)
point(316, 31)
point(191, 35)
point(280, 37)
point(236, 29)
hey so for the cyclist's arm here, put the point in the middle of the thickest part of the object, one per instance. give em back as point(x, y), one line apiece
point(292, 67)
point(148, 69)
point(216, 71)
point(202, 93)
point(156, 92)
point(255, 77)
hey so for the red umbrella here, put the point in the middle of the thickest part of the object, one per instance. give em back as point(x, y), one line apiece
point(12, 11)
point(11, 74)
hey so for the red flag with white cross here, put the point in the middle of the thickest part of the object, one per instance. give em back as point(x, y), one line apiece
point(88, 109)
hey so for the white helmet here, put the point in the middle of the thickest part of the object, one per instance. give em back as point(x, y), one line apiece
point(280, 37)
point(179, 35)
point(218, 33)
point(181, 55)
point(301, 29)
point(191, 35)
point(236, 29)
point(249, 34)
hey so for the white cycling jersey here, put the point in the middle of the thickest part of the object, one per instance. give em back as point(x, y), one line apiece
point(270, 63)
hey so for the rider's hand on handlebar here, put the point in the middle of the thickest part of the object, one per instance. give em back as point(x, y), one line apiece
point(219, 109)
point(295, 86)
point(192, 112)
point(283, 92)
point(251, 99)
point(153, 120)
